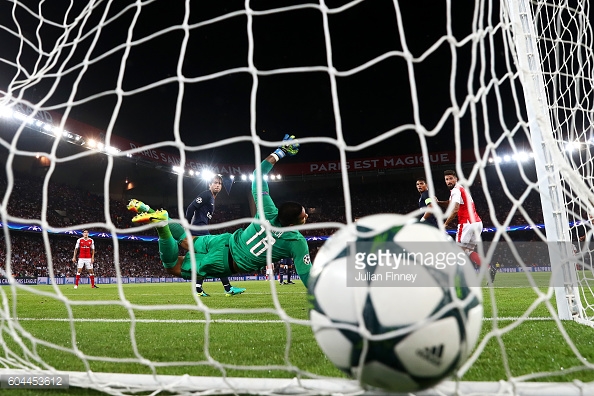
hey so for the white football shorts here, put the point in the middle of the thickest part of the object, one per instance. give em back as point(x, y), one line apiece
point(86, 262)
point(468, 234)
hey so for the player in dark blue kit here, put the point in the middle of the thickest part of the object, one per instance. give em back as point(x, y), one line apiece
point(425, 202)
point(285, 268)
point(199, 213)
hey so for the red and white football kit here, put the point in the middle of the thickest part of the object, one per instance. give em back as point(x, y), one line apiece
point(85, 252)
point(470, 224)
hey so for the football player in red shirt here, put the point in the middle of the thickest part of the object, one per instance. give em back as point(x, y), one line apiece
point(86, 248)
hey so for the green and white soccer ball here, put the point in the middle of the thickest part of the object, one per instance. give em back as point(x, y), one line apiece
point(403, 337)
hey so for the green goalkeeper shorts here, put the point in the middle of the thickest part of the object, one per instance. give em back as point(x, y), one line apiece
point(212, 257)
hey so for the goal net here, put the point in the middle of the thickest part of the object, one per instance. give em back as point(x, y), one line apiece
point(104, 101)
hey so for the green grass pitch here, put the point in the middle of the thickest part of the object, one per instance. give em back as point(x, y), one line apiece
point(170, 326)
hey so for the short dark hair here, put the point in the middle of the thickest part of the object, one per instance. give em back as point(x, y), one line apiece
point(450, 172)
point(422, 179)
point(216, 177)
point(289, 212)
point(85, 230)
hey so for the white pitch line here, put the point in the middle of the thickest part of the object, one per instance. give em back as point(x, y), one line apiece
point(512, 319)
point(213, 294)
point(149, 320)
point(262, 321)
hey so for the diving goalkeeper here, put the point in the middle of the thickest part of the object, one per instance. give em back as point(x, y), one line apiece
point(243, 251)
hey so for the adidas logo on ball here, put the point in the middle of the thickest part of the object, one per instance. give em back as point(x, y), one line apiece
point(432, 354)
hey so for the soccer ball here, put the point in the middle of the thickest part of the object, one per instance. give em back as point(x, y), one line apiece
point(404, 327)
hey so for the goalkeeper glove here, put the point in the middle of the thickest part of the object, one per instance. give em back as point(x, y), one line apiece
point(290, 147)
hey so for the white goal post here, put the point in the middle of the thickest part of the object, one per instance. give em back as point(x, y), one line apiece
point(519, 78)
point(546, 144)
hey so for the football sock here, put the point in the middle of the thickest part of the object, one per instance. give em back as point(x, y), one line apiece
point(177, 231)
point(168, 249)
point(226, 284)
point(475, 258)
point(289, 276)
point(199, 286)
point(164, 232)
point(77, 279)
point(92, 280)
point(280, 278)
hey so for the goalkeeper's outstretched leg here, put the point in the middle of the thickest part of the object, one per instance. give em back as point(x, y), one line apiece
point(146, 214)
point(168, 247)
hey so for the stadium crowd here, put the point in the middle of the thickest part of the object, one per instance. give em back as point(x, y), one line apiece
point(29, 258)
point(69, 207)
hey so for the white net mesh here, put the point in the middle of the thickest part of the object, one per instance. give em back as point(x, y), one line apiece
point(380, 92)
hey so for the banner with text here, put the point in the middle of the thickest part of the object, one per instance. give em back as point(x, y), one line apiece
point(168, 157)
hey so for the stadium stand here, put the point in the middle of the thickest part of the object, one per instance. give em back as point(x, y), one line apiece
point(70, 206)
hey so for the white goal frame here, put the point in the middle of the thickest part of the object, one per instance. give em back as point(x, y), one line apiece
point(118, 384)
point(549, 174)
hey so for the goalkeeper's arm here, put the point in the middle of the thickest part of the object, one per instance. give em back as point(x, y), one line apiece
point(289, 147)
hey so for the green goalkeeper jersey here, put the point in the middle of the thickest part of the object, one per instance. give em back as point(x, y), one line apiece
point(249, 246)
